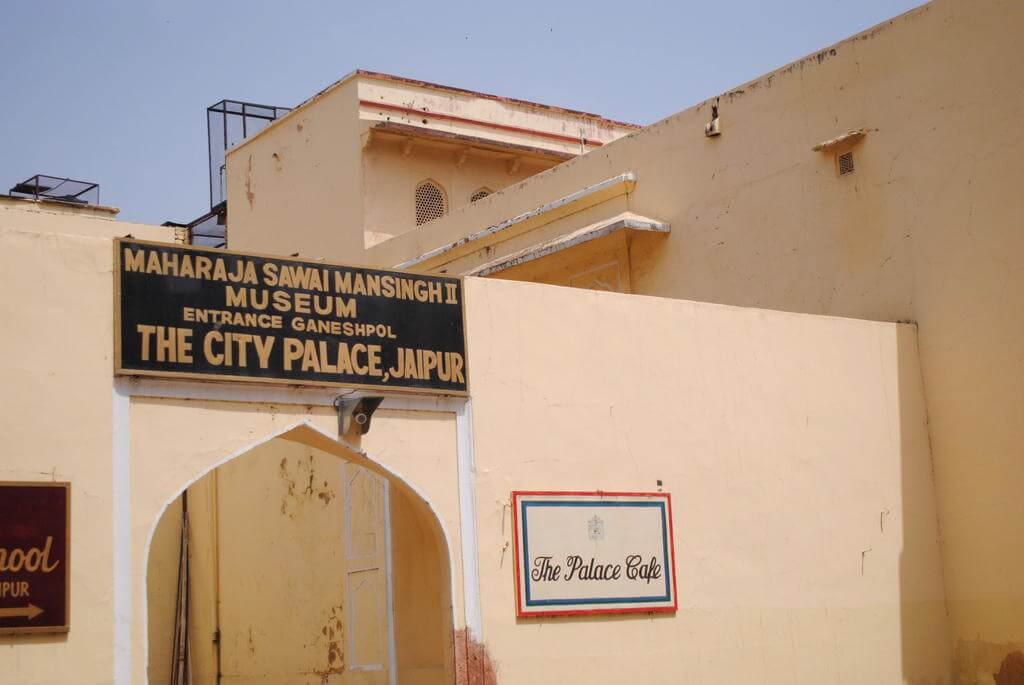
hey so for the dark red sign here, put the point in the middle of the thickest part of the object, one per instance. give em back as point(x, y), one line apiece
point(34, 545)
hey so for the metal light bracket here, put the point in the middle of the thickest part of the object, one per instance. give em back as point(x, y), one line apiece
point(354, 414)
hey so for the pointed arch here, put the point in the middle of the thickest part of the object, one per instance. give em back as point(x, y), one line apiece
point(421, 521)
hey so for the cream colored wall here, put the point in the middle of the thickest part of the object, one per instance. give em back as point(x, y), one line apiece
point(219, 430)
point(163, 465)
point(282, 566)
point(421, 446)
point(56, 412)
point(783, 439)
point(926, 229)
point(309, 160)
point(279, 571)
point(795, 448)
point(424, 653)
point(59, 425)
point(203, 582)
point(162, 594)
point(390, 178)
point(320, 167)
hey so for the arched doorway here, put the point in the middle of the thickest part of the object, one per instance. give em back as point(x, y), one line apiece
point(299, 561)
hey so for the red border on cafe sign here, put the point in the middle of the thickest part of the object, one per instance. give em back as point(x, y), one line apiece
point(516, 494)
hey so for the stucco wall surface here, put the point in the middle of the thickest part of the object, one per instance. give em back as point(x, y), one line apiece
point(796, 452)
point(56, 349)
point(327, 181)
point(128, 453)
point(390, 177)
point(927, 228)
point(273, 177)
point(794, 447)
point(165, 461)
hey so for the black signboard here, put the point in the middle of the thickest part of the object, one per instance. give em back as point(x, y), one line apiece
point(199, 313)
point(34, 544)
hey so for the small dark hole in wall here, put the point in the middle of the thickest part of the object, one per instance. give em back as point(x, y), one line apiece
point(845, 162)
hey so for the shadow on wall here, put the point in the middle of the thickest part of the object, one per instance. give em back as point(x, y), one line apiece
point(288, 573)
point(924, 624)
point(33, 639)
point(924, 603)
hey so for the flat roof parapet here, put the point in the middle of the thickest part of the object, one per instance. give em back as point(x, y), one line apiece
point(58, 206)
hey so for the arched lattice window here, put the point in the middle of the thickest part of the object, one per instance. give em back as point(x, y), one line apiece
point(430, 202)
point(480, 194)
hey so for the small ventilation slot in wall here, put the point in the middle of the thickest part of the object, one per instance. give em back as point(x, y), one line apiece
point(845, 162)
point(430, 202)
point(479, 195)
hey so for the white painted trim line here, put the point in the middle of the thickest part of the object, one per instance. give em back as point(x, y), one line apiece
point(627, 177)
point(308, 397)
point(122, 531)
point(467, 515)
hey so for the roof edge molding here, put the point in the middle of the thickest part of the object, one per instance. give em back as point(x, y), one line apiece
point(397, 130)
point(581, 199)
point(627, 221)
point(530, 104)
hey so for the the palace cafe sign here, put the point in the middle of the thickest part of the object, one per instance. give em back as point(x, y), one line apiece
point(593, 553)
point(188, 312)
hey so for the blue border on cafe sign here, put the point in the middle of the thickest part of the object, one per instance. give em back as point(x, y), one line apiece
point(525, 504)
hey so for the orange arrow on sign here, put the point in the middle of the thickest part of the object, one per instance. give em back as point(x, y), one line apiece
point(29, 612)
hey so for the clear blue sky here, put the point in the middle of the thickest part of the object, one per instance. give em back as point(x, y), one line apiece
point(116, 92)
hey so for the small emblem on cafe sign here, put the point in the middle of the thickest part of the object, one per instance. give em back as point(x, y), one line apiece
point(593, 553)
point(595, 529)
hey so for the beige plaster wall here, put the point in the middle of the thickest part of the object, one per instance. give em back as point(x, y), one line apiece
point(161, 598)
point(322, 167)
point(311, 158)
point(222, 430)
point(390, 178)
point(203, 571)
point(784, 439)
point(602, 264)
point(287, 553)
point(278, 597)
point(56, 407)
point(59, 424)
point(421, 447)
point(795, 449)
point(424, 650)
point(928, 228)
